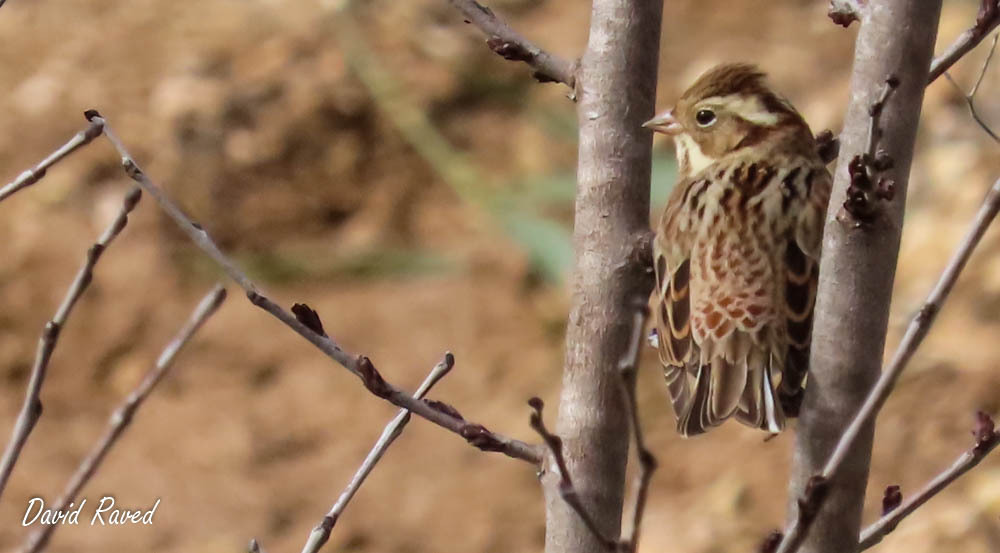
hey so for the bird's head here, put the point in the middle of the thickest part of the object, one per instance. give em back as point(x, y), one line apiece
point(728, 108)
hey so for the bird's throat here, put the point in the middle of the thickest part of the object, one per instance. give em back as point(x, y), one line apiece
point(690, 159)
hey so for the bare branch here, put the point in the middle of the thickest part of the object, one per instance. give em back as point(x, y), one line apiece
point(360, 366)
point(987, 20)
point(321, 533)
point(32, 407)
point(566, 489)
point(33, 175)
point(509, 44)
point(647, 462)
point(987, 440)
point(970, 97)
point(814, 495)
point(121, 418)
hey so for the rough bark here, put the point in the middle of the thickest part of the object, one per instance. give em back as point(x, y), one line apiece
point(616, 86)
point(858, 267)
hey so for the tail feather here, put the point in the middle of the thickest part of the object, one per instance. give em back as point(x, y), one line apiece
point(720, 390)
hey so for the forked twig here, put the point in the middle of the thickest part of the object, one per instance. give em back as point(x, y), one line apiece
point(814, 494)
point(121, 418)
point(986, 20)
point(32, 407)
point(647, 462)
point(321, 533)
point(970, 97)
point(362, 367)
point(987, 439)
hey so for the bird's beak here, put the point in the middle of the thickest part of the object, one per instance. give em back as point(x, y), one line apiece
point(664, 123)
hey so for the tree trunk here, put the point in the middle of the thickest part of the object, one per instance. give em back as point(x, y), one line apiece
point(859, 264)
point(616, 87)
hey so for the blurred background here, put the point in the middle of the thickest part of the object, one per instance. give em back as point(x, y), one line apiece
point(384, 166)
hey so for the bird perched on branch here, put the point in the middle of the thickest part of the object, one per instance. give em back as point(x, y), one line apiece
point(737, 252)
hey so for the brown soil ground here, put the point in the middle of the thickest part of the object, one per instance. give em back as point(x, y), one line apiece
point(251, 115)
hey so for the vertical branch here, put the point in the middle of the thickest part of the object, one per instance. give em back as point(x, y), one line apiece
point(858, 268)
point(616, 85)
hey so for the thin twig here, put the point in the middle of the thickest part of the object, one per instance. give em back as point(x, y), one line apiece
point(874, 132)
point(32, 408)
point(987, 19)
point(965, 462)
point(970, 97)
point(509, 44)
point(647, 462)
point(476, 434)
point(321, 533)
point(814, 495)
point(255, 547)
point(566, 489)
point(122, 417)
point(33, 175)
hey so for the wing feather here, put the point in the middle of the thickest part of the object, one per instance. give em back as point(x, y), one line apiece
point(802, 277)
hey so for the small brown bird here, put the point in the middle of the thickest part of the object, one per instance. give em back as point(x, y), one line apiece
point(737, 252)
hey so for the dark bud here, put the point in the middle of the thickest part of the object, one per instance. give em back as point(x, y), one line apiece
point(861, 181)
point(508, 50)
point(843, 13)
point(444, 408)
point(131, 169)
point(90, 114)
point(883, 161)
point(771, 542)
point(892, 81)
point(543, 77)
point(308, 317)
point(856, 166)
point(886, 189)
point(816, 488)
point(891, 499)
point(371, 378)
point(984, 431)
point(480, 437)
point(536, 403)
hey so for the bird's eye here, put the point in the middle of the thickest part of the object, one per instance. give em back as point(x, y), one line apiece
point(705, 117)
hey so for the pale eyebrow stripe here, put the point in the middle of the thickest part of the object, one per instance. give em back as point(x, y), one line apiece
point(748, 108)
